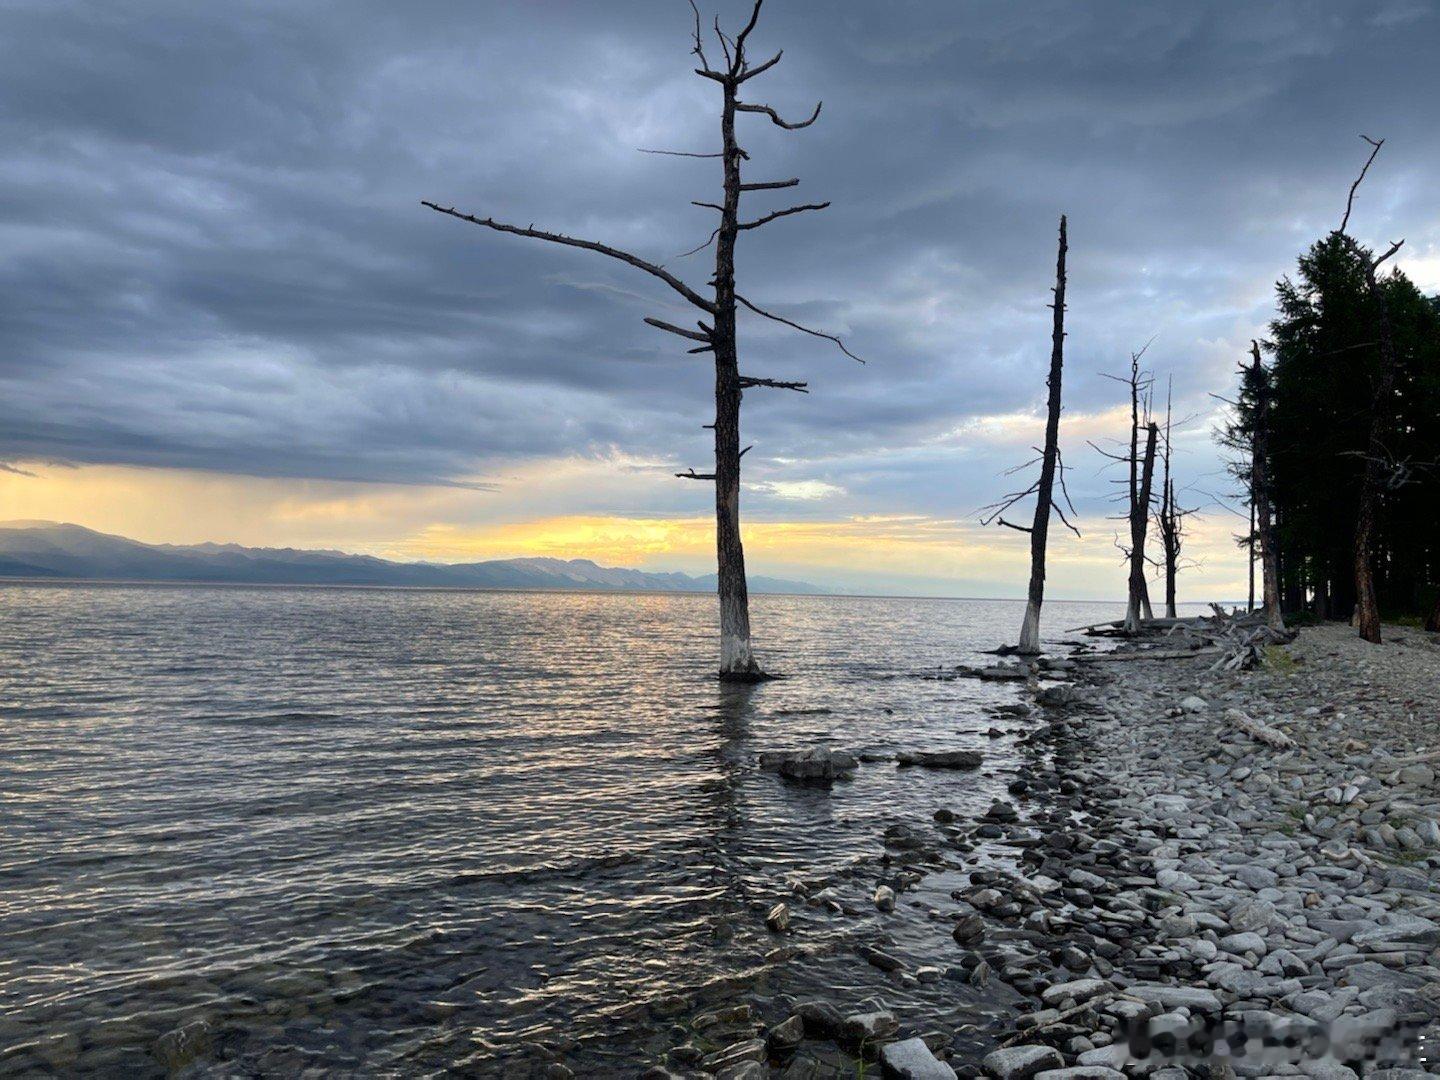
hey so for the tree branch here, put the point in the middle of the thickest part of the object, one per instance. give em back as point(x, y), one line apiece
point(760, 69)
point(589, 245)
point(1350, 200)
point(1393, 249)
point(702, 247)
point(693, 335)
point(993, 511)
point(770, 185)
point(1017, 528)
point(747, 381)
point(693, 475)
point(724, 46)
point(1055, 506)
point(677, 153)
point(775, 117)
point(740, 39)
point(796, 326)
point(699, 49)
point(781, 213)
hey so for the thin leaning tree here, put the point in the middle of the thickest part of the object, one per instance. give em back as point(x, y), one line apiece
point(1051, 467)
point(715, 329)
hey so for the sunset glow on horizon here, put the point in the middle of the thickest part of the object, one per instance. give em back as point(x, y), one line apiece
point(906, 553)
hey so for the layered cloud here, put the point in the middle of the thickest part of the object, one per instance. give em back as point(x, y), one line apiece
point(213, 261)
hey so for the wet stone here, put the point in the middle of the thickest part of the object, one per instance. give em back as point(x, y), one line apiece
point(865, 1028)
point(969, 930)
point(787, 1035)
point(1021, 1062)
point(176, 1049)
point(911, 1059)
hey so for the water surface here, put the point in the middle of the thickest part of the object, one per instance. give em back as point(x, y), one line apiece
point(396, 831)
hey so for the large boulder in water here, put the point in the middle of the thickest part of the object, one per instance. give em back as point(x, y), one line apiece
point(819, 763)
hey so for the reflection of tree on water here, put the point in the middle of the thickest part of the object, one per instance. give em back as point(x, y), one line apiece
point(735, 710)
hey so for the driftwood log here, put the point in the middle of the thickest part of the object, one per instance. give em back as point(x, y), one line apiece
point(1237, 640)
point(1260, 731)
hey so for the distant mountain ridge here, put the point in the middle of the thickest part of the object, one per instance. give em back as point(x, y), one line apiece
point(47, 549)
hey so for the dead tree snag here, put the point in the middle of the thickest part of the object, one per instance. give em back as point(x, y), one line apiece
point(1050, 467)
point(716, 330)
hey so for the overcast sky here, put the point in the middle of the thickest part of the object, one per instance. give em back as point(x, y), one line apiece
point(219, 293)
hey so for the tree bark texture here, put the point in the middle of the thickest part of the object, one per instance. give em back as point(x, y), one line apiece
point(1045, 493)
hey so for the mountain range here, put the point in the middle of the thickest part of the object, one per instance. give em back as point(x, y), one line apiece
point(48, 549)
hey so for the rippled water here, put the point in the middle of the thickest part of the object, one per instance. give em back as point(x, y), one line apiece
point(411, 832)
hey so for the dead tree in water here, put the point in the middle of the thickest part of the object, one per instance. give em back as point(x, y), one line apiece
point(1050, 467)
point(1260, 492)
point(715, 329)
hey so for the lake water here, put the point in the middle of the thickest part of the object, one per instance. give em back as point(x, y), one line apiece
point(411, 832)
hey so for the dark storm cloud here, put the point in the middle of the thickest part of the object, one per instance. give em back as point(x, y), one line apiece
point(212, 253)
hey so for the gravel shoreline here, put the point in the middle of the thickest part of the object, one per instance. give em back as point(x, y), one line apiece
point(1183, 899)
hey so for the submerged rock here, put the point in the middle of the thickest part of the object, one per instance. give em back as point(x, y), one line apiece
point(882, 960)
point(819, 763)
point(941, 759)
point(176, 1049)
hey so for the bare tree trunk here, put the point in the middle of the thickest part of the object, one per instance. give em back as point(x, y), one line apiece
point(1139, 519)
point(1260, 497)
point(1170, 534)
point(1367, 608)
point(1250, 544)
point(737, 662)
point(1142, 593)
point(1169, 516)
point(1044, 499)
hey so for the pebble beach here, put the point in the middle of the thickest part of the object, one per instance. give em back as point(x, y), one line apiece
point(1200, 874)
